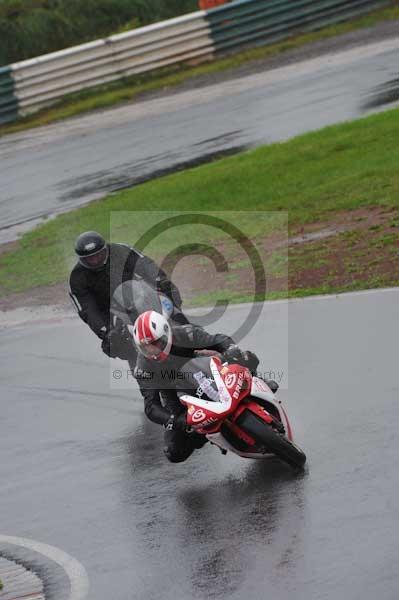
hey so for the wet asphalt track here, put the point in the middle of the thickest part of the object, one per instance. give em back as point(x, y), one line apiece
point(82, 469)
point(54, 169)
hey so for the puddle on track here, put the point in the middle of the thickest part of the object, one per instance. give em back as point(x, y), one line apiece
point(387, 93)
point(103, 182)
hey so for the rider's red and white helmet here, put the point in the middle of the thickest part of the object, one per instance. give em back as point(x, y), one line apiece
point(152, 335)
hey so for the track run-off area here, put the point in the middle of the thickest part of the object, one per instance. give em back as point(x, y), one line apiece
point(82, 468)
point(88, 500)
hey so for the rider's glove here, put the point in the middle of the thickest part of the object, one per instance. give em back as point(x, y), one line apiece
point(234, 354)
point(251, 361)
point(176, 423)
point(246, 358)
point(109, 344)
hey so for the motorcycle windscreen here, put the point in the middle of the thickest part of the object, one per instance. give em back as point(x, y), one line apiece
point(132, 298)
point(195, 378)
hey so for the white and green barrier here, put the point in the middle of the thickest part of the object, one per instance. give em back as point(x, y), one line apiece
point(8, 100)
point(29, 85)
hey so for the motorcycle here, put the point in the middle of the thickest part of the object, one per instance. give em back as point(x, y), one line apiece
point(237, 412)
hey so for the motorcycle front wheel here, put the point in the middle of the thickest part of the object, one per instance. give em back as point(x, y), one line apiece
point(271, 440)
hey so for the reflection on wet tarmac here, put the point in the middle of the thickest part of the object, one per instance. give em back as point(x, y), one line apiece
point(87, 474)
point(387, 93)
point(225, 521)
point(130, 174)
point(214, 519)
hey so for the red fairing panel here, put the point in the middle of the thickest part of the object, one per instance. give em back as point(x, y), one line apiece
point(234, 384)
point(203, 420)
point(236, 379)
point(260, 412)
point(256, 409)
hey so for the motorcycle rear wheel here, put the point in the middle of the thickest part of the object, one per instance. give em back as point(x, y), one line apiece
point(272, 440)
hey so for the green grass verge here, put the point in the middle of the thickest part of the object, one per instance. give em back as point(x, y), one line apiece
point(129, 89)
point(342, 167)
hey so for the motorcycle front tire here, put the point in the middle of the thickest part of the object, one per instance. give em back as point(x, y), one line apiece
point(273, 441)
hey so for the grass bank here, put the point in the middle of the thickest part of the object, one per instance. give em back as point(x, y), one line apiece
point(342, 180)
point(133, 87)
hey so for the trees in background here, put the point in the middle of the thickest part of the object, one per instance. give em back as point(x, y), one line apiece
point(30, 28)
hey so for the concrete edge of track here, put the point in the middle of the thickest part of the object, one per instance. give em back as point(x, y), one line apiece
point(53, 314)
point(45, 571)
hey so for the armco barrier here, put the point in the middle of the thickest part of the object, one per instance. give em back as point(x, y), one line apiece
point(249, 22)
point(8, 100)
point(29, 85)
point(40, 81)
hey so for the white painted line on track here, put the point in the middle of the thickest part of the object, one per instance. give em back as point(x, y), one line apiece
point(76, 572)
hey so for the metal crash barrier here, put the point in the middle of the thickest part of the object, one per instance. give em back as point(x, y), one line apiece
point(29, 85)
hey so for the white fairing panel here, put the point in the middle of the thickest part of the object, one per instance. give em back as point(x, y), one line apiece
point(215, 407)
point(261, 390)
point(224, 398)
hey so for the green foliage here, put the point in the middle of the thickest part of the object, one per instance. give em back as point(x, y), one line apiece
point(32, 27)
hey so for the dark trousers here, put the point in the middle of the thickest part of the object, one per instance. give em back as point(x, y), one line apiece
point(179, 445)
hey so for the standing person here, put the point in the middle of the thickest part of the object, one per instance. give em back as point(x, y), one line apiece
point(100, 269)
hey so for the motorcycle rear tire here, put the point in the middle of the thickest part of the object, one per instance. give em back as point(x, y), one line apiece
point(272, 440)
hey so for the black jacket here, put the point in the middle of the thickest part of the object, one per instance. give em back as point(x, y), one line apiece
point(93, 290)
point(159, 379)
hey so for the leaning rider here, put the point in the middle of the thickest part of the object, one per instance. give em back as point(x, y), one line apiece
point(163, 349)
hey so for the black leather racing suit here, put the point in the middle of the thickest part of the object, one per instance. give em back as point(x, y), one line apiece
point(157, 383)
point(93, 290)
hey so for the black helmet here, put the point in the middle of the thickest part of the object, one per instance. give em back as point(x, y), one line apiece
point(92, 250)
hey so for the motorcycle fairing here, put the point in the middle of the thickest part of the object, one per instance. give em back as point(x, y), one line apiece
point(255, 408)
point(233, 383)
point(261, 390)
point(238, 391)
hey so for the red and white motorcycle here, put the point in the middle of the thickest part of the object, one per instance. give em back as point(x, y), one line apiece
point(241, 414)
point(236, 411)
